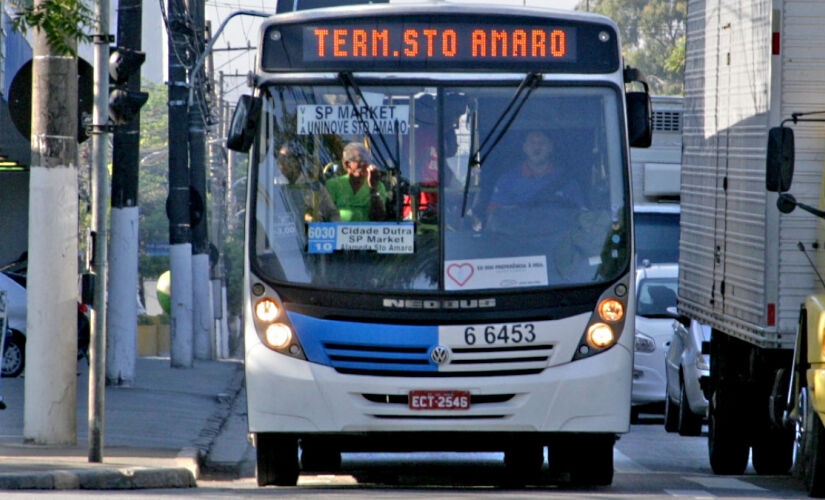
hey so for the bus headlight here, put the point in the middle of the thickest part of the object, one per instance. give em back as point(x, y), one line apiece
point(267, 310)
point(611, 310)
point(277, 336)
point(607, 321)
point(600, 335)
point(271, 323)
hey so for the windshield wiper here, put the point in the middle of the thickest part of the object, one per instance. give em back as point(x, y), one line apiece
point(476, 158)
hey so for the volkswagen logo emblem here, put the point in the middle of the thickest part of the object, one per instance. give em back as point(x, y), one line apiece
point(440, 355)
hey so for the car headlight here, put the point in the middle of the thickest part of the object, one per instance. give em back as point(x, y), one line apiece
point(644, 343)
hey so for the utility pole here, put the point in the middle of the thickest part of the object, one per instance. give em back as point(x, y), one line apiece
point(50, 385)
point(121, 321)
point(202, 302)
point(218, 218)
point(100, 205)
point(180, 234)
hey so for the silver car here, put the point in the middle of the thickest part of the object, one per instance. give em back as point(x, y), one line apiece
point(686, 406)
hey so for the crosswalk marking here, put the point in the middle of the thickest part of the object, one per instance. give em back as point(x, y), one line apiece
point(623, 464)
point(725, 483)
point(698, 494)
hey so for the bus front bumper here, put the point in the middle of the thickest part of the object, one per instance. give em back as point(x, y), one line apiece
point(287, 395)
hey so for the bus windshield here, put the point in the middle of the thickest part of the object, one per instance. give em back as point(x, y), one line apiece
point(444, 188)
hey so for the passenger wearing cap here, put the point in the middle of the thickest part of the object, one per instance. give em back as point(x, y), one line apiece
point(360, 195)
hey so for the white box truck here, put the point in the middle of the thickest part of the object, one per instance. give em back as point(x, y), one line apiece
point(749, 65)
point(655, 182)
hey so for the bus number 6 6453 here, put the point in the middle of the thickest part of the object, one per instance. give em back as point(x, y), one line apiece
point(500, 334)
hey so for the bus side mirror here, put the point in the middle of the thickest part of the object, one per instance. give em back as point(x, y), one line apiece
point(244, 124)
point(639, 119)
point(779, 164)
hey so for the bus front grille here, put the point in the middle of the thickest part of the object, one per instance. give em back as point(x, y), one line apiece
point(416, 361)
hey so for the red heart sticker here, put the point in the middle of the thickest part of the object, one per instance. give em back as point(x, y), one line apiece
point(460, 273)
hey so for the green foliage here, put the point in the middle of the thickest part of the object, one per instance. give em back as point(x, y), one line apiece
point(153, 180)
point(653, 38)
point(64, 22)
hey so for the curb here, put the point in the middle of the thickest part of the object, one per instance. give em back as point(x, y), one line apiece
point(189, 461)
point(202, 446)
point(101, 479)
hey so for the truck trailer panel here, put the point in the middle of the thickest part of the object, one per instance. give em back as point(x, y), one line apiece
point(741, 272)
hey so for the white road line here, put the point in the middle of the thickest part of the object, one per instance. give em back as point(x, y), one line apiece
point(698, 494)
point(725, 483)
point(626, 465)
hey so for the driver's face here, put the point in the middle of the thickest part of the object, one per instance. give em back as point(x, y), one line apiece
point(537, 147)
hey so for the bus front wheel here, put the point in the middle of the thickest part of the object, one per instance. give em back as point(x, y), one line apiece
point(277, 460)
point(587, 458)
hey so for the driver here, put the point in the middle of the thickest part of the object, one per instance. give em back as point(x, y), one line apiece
point(539, 181)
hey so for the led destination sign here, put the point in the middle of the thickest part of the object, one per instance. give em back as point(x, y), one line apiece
point(441, 43)
point(423, 42)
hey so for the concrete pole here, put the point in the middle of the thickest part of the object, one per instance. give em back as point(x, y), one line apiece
point(202, 301)
point(180, 234)
point(50, 385)
point(217, 218)
point(121, 320)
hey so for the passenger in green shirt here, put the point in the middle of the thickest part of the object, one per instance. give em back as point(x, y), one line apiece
point(359, 195)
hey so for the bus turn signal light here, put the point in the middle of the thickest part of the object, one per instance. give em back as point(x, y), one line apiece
point(611, 310)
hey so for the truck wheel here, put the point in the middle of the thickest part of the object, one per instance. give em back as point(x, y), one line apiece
point(316, 457)
point(592, 461)
point(277, 460)
point(690, 424)
point(671, 415)
point(727, 446)
point(773, 452)
point(14, 354)
point(810, 447)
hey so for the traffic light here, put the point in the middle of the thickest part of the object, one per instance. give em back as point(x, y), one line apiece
point(124, 103)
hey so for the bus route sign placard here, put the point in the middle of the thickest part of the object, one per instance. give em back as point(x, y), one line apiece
point(381, 237)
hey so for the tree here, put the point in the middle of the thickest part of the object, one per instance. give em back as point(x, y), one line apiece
point(154, 165)
point(653, 38)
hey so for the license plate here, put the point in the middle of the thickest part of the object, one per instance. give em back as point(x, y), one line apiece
point(439, 400)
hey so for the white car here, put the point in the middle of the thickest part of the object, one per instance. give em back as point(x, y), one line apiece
point(656, 287)
point(15, 345)
point(14, 352)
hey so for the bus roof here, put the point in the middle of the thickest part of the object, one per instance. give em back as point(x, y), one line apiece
point(416, 7)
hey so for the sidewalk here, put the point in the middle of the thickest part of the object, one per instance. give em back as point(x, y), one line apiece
point(157, 433)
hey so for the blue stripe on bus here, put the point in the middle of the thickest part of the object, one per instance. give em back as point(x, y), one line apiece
point(368, 346)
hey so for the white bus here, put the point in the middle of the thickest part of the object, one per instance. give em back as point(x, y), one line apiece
point(483, 305)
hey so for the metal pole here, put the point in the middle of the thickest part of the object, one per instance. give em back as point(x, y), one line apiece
point(100, 204)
